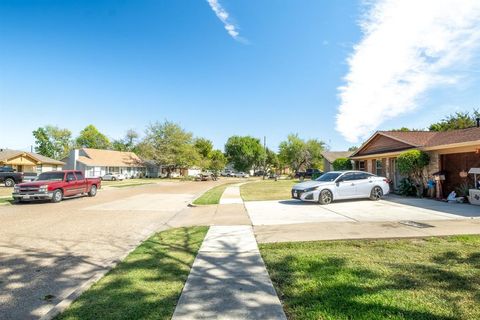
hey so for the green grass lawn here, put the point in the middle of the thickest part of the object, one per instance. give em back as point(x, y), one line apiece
point(267, 190)
point(212, 196)
point(5, 201)
point(147, 284)
point(434, 278)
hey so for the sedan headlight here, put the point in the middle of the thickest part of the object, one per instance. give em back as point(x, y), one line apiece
point(311, 189)
point(43, 188)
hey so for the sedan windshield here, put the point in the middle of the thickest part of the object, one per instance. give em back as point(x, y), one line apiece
point(51, 176)
point(329, 176)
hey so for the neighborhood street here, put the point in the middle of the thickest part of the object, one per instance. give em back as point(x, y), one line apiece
point(48, 250)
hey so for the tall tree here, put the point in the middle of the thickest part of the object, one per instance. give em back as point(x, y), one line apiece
point(297, 153)
point(244, 152)
point(203, 146)
point(128, 143)
point(53, 142)
point(217, 161)
point(90, 137)
point(170, 146)
point(458, 120)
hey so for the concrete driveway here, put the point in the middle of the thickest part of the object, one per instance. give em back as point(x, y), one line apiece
point(390, 209)
point(47, 251)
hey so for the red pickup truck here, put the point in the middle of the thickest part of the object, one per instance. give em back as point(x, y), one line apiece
point(55, 185)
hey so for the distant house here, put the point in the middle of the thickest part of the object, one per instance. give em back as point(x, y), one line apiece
point(96, 162)
point(452, 153)
point(22, 161)
point(330, 156)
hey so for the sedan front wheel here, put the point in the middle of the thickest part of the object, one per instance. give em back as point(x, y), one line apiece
point(325, 197)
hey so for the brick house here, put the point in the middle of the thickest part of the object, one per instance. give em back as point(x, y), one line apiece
point(452, 152)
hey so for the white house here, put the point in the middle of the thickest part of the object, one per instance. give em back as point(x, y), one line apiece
point(97, 163)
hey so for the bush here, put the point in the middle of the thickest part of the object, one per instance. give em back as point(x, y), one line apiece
point(342, 164)
point(407, 188)
point(411, 163)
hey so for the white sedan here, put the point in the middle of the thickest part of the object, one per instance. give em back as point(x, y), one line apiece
point(113, 177)
point(339, 185)
point(241, 175)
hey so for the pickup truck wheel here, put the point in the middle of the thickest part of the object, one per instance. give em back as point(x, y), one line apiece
point(57, 196)
point(325, 197)
point(9, 183)
point(93, 191)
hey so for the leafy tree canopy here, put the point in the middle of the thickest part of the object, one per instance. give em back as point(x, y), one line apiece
point(217, 161)
point(53, 142)
point(128, 143)
point(90, 137)
point(297, 153)
point(244, 152)
point(458, 120)
point(169, 145)
point(411, 163)
point(203, 146)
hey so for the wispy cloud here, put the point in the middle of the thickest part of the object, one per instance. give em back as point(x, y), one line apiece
point(408, 47)
point(223, 15)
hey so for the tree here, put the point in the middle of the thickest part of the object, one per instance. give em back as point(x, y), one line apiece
point(271, 161)
point(412, 163)
point(53, 142)
point(353, 148)
point(458, 120)
point(297, 153)
point(128, 143)
point(342, 164)
point(217, 161)
point(90, 137)
point(170, 146)
point(203, 146)
point(244, 152)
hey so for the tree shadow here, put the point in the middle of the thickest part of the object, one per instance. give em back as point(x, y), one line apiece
point(334, 288)
point(33, 282)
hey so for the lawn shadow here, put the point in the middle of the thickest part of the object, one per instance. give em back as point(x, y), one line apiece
point(338, 289)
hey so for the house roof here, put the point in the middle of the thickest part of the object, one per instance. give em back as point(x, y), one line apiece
point(110, 158)
point(331, 156)
point(6, 154)
point(429, 139)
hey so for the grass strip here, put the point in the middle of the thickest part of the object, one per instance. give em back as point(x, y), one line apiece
point(212, 196)
point(5, 201)
point(147, 284)
point(432, 278)
point(267, 190)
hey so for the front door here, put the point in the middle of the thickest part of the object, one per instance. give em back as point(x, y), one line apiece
point(70, 184)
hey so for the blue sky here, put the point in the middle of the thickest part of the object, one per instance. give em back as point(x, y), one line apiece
point(124, 64)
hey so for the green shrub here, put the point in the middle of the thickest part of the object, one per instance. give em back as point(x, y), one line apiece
point(411, 164)
point(407, 187)
point(342, 164)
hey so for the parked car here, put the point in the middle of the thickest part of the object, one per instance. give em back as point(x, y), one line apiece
point(308, 174)
point(9, 178)
point(113, 177)
point(205, 176)
point(55, 185)
point(259, 173)
point(241, 175)
point(337, 185)
point(227, 173)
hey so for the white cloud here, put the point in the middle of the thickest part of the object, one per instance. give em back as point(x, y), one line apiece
point(408, 47)
point(223, 15)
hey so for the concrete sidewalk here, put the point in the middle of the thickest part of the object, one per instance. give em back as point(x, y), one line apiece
point(229, 280)
point(231, 195)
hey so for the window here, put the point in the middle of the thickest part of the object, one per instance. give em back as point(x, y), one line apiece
point(54, 168)
point(349, 176)
point(51, 176)
point(79, 175)
point(39, 168)
point(362, 176)
point(379, 167)
point(70, 176)
point(361, 165)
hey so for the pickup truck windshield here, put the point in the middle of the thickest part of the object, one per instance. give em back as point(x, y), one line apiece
point(51, 176)
point(329, 176)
